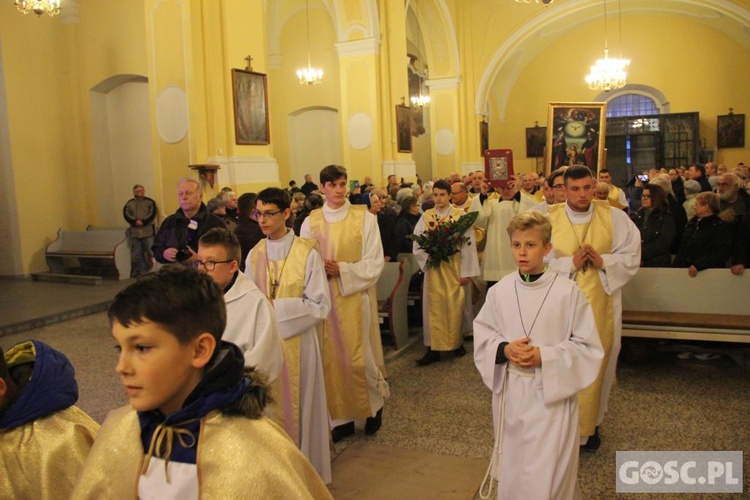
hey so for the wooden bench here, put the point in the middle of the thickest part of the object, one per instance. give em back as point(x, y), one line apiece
point(414, 297)
point(392, 288)
point(87, 256)
point(665, 303)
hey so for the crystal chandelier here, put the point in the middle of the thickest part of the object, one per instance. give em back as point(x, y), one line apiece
point(545, 2)
point(39, 7)
point(608, 74)
point(420, 100)
point(309, 75)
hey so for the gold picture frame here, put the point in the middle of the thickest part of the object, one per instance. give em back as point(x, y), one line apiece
point(403, 128)
point(575, 135)
point(250, 93)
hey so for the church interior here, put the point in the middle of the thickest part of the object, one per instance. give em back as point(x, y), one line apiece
point(109, 94)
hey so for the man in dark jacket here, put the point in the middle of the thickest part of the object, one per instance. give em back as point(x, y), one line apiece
point(248, 230)
point(309, 186)
point(177, 239)
point(140, 213)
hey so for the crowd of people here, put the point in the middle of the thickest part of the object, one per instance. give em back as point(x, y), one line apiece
point(271, 337)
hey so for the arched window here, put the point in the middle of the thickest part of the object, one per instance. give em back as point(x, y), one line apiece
point(631, 105)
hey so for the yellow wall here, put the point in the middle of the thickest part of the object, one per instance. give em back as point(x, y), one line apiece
point(48, 175)
point(287, 95)
point(705, 72)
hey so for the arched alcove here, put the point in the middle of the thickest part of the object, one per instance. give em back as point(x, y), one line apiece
point(121, 141)
point(314, 141)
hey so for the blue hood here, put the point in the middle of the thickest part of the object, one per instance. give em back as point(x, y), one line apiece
point(51, 387)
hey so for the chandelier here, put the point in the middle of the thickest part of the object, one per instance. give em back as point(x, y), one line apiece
point(420, 100)
point(608, 74)
point(39, 7)
point(545, 2)
point(309, 75)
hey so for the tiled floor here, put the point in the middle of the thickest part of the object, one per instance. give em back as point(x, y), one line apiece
point(26, 304)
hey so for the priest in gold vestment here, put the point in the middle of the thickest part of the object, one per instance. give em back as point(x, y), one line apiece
point(443, 302)
point(289, 271)
point(353, 363)
point(600, 248)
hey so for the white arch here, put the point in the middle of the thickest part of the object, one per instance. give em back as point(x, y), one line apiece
point(520, 48)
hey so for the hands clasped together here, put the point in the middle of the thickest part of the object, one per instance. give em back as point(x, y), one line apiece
point(523, 355)
point(585, 255)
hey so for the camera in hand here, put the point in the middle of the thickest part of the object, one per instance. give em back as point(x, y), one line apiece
point(182, 254)
point(643, 177)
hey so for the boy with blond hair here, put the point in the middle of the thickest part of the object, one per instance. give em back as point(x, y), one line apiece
point(536, 346)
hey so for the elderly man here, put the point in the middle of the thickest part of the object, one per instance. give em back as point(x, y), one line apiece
point(386, 224)
point(530, 187)
point(309, 186)
point(140, 213)
point(460, 196)
point(177, 239)
point(735, 208)
point(616, 195)
point(599, 247)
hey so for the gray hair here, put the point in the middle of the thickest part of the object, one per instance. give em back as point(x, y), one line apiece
point(227, 195)
point(663, 183)
point(692, 186)
point(193, 181)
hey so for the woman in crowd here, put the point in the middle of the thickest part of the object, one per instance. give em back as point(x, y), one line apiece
point(706, 242)
point(657, 226)
point(405, 222)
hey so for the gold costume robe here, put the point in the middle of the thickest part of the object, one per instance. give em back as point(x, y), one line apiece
point(342, 342)
point(445, 295)
point(237, 457)
point(567, 239)
point(293, 284)
point(614, 196)
point(42, 459)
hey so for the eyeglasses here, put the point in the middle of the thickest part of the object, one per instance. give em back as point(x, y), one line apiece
point(558, 186)
point(210, 265)
point(646, 196)
point(266, 215)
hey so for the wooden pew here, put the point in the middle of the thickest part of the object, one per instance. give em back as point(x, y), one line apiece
point(666, 303)
point(392, 289)
point(87, 256)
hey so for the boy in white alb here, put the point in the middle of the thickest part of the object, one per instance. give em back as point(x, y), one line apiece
point(289, 271)
point(536, 346)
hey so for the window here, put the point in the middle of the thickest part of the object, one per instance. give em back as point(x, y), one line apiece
point(631, 105)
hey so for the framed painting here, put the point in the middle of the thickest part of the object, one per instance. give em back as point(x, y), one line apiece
point(250, 94)
point(498, 166)
point(484, 137)
point(403, 128)
point(730, 131)
point(575, 135)
point(535, 139)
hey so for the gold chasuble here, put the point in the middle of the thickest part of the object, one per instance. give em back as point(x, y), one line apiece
point(263, 463)
point(291, 286)
point(614, 196)
point(342, 335)
point(567, 239)
point(43, 458)
point(445, 295)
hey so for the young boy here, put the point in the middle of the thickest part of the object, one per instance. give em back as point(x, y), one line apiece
point(251, 324)
point(536, 346)
point(44, 439)
point(353, 352)
point(194, 427)
point(289, 271)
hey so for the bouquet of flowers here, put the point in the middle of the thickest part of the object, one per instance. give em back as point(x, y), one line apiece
point(442, 239)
